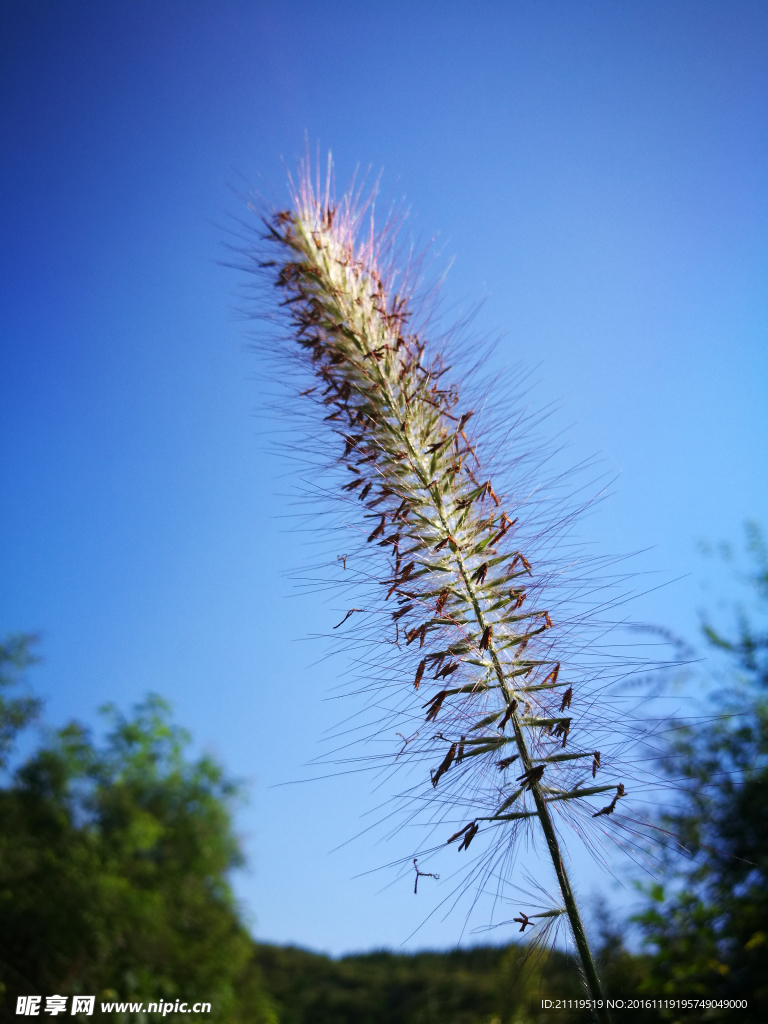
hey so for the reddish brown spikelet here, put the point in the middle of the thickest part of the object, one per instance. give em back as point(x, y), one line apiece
point(480, 573)
point(511, 708)
point(531, 777)
point(448, 669)
point(506, 762)
point(444, 765)
point(552, 677)
point(562, 729)
point(611, 807)
point(379, 529)
point(435, 704)
point(469, 835)
point(419, 673)
point(461, 832)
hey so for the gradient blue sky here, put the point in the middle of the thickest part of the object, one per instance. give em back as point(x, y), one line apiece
point(599, 172)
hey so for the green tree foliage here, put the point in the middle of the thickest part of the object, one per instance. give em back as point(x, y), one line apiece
point(113, 865)
point(480, 985)
point(471, 986)
point(708, 924)
point(114, 859)
point(15, 712)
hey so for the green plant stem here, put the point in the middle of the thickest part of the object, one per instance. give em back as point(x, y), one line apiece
point(548, 827)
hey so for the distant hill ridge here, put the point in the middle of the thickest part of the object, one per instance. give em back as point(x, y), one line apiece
point(477, 985)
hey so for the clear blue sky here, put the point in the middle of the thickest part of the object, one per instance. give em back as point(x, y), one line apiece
point(599, 172)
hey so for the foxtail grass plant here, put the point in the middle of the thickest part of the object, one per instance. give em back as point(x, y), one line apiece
point(473, 643)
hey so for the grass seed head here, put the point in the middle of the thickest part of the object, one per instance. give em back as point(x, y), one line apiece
point(457, 562)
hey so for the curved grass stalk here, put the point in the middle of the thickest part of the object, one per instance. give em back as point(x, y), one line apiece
point(465, 597)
